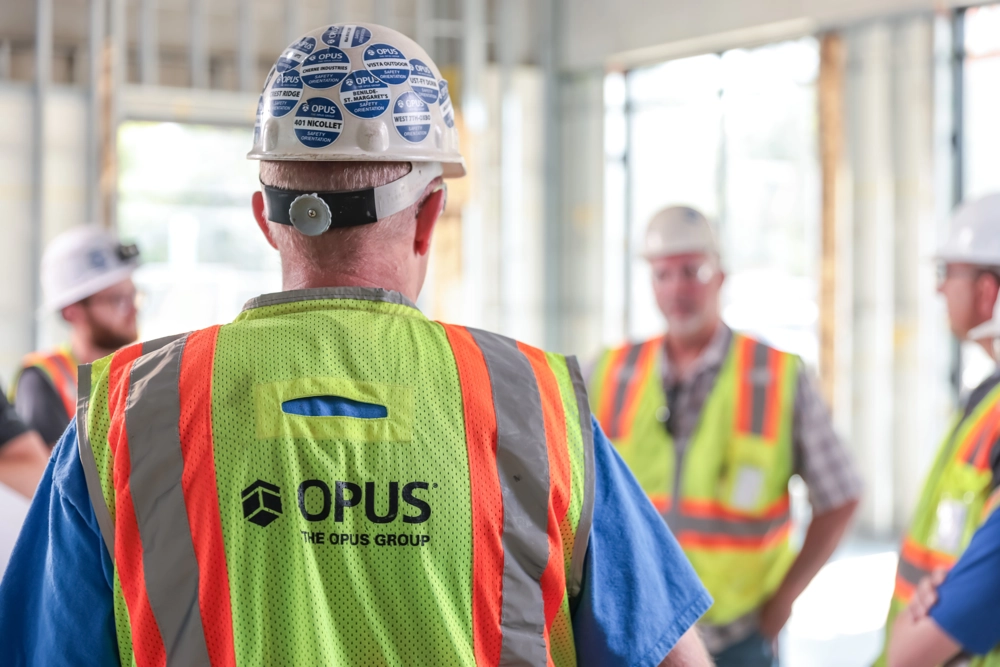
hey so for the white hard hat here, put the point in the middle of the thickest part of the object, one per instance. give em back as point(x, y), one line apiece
point(679, 230)
point(975, 234)
point(356, 93)
point(81, 262)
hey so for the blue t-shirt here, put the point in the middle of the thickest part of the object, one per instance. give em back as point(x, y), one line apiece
point(969, 598)
point(639, 591)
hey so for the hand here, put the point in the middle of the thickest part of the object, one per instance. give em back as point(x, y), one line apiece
point(925, 595)
point(773, 616)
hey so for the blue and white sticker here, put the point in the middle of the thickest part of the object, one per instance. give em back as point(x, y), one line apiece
point(364, 95)
point(412, 117)
point(347, 36)
point(318, 122)
point(387, 63)
point(445, 101)
point(423, 81)
point(295, 54)
point(286, 91)
point(325, 68)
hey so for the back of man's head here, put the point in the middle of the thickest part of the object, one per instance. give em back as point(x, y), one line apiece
point(348, 248)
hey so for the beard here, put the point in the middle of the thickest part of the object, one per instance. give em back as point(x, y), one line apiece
point(109, 337)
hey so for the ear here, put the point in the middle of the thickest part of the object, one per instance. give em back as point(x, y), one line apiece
point(257, 202)
point(427, 216)
point(72, 313)
point(988, 289)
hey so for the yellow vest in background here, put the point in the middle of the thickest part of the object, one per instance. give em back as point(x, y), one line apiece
point(728, 504)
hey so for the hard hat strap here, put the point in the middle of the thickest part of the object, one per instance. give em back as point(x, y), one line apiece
point(353, 208)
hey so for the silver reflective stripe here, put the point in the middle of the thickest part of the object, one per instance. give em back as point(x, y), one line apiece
point(761, 381)
point(910, 572)
point(582, 539)
point(523, 468)
point(152, 415)
point(89, 463)
point(320, 293)
point(151, 346)
point(736, 528)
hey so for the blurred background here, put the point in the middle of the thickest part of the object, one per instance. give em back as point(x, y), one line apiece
point(828, 140)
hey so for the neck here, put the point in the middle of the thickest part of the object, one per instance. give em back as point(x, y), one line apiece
point(384, 275)
point(84, 350)
point(683, 352)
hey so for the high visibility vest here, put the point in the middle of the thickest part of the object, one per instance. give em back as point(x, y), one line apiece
point(59, 367)
point(956, 500)
point(728, 502)
point(450, 530)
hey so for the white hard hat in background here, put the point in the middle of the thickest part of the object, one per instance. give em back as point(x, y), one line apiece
point(975, 234)
point(357, 93)
point(81, 262)
point(679, 230)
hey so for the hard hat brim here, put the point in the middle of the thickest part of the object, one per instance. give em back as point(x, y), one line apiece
point(89, 288)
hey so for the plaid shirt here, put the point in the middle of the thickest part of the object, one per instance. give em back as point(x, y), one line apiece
point(820, 457)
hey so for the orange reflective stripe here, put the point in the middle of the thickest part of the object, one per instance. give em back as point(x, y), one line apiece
point(606, 408)
point(201, 497)
point(924, 558)
point(711, 509)
point(554, 577)
point(661, 501)
point(484, 485)
point(695, 540)
point(743, 359)
point(903, 590)
point(643, 367)
point(773, 411)
point(147, 642)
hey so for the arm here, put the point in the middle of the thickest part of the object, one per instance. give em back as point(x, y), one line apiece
point(834, 490)
point(822, 537)
point(917, 639)
point(22, 462)
point(688, 652)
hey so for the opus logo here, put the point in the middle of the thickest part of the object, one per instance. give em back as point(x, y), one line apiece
point(261, 503)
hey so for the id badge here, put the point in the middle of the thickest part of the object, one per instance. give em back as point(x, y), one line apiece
point(950, 525)
point(748, 487)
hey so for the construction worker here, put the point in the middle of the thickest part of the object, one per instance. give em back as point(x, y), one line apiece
point(954, 502)
point(332, 478)
point(87, 278)
point(714, 423)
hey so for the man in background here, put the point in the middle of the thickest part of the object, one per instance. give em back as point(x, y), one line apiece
point(87, 278)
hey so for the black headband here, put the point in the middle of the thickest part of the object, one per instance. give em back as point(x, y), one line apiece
point(351, 208)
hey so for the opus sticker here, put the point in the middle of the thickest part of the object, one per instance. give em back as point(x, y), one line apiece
point(423, 81)
point(412, 117)
point(325, 68)
point(295, 54)
point(364, 95)
point(285, 92)
point(318, 122)
point(445, 101)
point(347, 36)
point(387, 63)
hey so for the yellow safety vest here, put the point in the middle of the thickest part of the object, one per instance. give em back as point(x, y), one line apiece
point(955, 501)
point(727, 499)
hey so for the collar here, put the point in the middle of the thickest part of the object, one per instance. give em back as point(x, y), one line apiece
point(710, 359)
point(326, 293)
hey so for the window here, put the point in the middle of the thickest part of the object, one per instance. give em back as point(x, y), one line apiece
point(184, 198)
point(734, 135)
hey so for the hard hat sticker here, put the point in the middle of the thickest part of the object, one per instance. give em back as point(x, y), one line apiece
point(387, 63)
point(285, 93)
point(364, 95)
point(318, 122)
point(295, 54)
point(412, 117)
point(325, 68)
point(423, 81)
point(347, 36)
point(445, 101)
